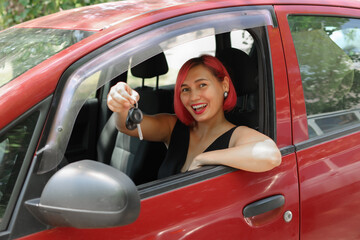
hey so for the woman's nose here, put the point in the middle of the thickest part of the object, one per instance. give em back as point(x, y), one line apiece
point(194, 95)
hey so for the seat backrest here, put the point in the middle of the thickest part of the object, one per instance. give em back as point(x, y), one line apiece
point(152, 67)
point(243, 73)
point(140, 160)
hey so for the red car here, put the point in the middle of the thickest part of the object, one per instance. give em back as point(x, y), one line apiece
point(67, 173)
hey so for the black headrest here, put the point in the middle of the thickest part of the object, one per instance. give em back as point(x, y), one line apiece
point(152, 67)
point(242, 72)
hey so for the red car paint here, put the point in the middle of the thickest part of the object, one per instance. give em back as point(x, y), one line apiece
point(221, 217)
point(321, 182)
point(325, 193)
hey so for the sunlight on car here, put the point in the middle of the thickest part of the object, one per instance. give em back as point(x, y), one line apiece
point(6, 73)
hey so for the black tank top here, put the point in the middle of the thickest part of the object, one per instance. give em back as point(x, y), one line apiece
point(178, 148)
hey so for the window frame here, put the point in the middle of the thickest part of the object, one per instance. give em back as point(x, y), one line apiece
point(15, 200)
point(184, 179)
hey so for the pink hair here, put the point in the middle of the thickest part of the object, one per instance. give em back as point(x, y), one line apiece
point(219, 71)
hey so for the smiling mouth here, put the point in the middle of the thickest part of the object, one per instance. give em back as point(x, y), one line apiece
point(199, 108)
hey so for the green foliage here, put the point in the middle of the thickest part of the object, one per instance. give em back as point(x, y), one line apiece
point(16, 11)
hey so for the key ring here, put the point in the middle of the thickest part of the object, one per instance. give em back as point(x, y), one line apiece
point(134, 118)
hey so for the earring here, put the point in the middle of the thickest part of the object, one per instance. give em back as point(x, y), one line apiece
point(226, 94)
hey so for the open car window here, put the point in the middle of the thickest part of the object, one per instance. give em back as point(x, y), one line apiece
point(130, 51)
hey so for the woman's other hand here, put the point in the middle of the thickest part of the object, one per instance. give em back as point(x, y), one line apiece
point(195, 164)
point(254, 153)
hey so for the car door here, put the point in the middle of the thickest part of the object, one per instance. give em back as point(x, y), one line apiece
point(213, 202)
point(322, 55)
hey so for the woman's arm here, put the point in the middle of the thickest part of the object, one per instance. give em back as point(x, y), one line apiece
point(154, 128)
point(248, 150)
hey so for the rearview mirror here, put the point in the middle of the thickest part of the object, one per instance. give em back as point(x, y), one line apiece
point(87, 194)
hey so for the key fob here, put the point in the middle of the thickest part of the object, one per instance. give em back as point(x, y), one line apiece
point(134, 117)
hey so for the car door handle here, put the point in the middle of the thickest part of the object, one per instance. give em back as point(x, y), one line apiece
point(264, 205)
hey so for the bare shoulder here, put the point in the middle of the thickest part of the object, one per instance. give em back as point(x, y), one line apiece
point(243, 134)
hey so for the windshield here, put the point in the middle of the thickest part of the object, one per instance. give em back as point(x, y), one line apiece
point(23, 48)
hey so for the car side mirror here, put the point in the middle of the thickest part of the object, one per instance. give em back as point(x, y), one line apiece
point(87, 194)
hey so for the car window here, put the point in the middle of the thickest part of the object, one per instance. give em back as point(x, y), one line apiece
point(126, 54)
point(22, 49)
point(13, 146)
point(328, 52)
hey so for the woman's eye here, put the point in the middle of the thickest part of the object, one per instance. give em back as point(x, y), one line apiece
point(203, 85)
point(184, 90)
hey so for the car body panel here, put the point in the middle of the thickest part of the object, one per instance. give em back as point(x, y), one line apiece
point(330, 189)
point(210, 209)
point(328, 170)
point(282, 98)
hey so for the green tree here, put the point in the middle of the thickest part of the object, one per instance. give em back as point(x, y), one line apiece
point(16, 11)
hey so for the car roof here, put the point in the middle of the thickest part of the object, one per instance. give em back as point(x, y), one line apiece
point(101, 16)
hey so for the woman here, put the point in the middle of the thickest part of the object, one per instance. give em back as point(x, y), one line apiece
point(199, 133)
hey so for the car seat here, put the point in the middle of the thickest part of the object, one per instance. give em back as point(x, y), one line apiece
point(243, 73)
point(140, 160)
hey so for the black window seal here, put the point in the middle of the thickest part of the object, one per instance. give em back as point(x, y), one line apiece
point(180, 180)
point(287, 150)
point(327, 137)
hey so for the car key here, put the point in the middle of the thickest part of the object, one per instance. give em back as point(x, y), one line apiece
point(134, 119)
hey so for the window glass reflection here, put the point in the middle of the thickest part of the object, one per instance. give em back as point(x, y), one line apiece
point(328, 52)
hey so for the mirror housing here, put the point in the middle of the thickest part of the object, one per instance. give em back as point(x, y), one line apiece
point(87, 194)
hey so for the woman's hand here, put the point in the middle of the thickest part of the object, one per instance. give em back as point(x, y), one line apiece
point(155, 128)
point(195, 164)
point(121, 97)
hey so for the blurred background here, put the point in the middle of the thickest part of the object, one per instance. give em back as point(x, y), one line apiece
point(13, 12)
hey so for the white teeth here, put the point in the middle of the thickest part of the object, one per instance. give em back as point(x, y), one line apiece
point(198, 106)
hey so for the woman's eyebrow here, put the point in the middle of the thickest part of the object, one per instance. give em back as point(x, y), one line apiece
point(201, 79)
point(197, 80)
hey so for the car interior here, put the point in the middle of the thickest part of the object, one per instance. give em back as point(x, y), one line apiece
point(95, 136)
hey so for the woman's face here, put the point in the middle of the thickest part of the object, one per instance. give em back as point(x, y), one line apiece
point(202, 94)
